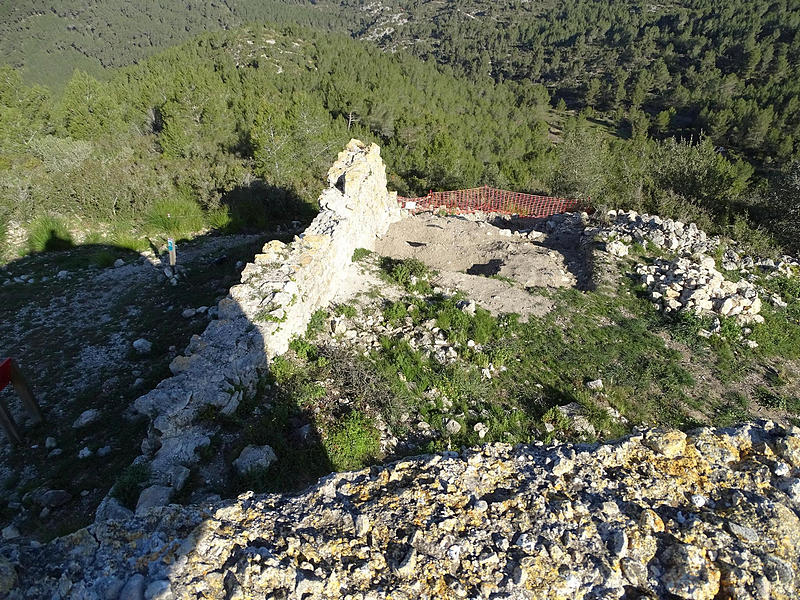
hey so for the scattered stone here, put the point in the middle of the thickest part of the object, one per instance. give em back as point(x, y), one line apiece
point(595, 385)
point(481, 429)
point(104, 451)
point(85, 452)
point(254, 457)
point(50, 443)
point(119, 263)
point(452, 426)
point(142, 346)
point(188, 313)
point(10, 532)
point(86, 418)
point(617, 248)
point(8, 577)
point(54, 498)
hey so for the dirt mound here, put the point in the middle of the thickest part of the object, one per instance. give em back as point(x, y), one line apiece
point(503, 268)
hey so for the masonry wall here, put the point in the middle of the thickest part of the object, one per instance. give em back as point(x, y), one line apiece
point(278, 293)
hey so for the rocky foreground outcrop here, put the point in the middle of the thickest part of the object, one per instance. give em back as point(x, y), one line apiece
point(660, 514)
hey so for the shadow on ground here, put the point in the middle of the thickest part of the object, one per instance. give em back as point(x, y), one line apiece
point(69, 318)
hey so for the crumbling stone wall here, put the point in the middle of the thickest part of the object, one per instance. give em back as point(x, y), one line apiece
point(278, 293)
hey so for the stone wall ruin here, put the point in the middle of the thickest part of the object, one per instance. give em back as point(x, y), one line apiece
point(278, 293)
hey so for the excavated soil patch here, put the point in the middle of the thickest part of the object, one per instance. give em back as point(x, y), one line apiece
point(502, 269)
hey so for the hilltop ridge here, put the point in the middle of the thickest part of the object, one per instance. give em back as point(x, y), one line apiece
point(658, 514)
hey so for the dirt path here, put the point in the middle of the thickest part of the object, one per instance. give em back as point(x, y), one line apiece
point(71, 324)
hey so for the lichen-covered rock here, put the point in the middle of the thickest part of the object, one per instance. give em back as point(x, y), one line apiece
point(658, 514)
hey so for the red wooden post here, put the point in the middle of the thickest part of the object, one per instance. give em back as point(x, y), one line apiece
point(10, 373)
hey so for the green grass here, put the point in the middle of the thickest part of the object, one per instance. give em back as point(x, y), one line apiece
point(316, 324)
point(360, 254)
point(411, 274)
point(352, 443)
point(48, 233)
point(177, 217)
point(346, 310)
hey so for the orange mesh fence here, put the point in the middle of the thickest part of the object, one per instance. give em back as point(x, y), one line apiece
point(486, 199)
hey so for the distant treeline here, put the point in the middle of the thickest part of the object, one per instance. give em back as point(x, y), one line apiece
point(236, 129)
point(728, 69)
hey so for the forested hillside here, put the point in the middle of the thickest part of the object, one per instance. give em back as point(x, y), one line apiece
point(685, 67)
point(47, 41)
point(731, 70)
point(674, 109)
point(254, 115)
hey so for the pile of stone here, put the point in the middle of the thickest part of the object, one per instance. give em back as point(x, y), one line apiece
point(747, 265)
point(628, 227)
point(364, 332)
point(695, 285)
point(660, 514)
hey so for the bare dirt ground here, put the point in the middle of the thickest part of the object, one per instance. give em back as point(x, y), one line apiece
point(503, 268)
point(70, 324)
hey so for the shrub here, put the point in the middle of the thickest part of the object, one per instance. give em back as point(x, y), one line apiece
point(48, 233)
point(304, 349)
point(360, 254)
point(129, 241)
point(103, 259)
point(316, 324)
point(128, 484)
point(219, 218)
point(410, 273)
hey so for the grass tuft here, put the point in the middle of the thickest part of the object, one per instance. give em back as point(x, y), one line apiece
point(48, 233)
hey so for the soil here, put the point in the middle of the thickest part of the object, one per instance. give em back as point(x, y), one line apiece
point(72, 337)
point(496, 265)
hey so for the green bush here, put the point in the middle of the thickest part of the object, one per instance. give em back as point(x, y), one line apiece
point(129, 241)
point(304, 349)
point(219, 218)
point(360, 254)
point(104, 258)
point(411, 274)
point(316, 324)
point(129, 483)
point(48, 233)
point(347, 310)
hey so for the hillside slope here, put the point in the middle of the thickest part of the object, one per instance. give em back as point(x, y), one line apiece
point(48, 42)
point(681, 67)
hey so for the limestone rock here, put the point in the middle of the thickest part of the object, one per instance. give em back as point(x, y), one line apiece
point(142, 346)
point(110, 509)
point(86, 418)
point(155, 495)
point(254, 457)
point(579, 521)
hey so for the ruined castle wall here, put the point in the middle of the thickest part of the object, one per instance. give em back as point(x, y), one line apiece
point(278, 293)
